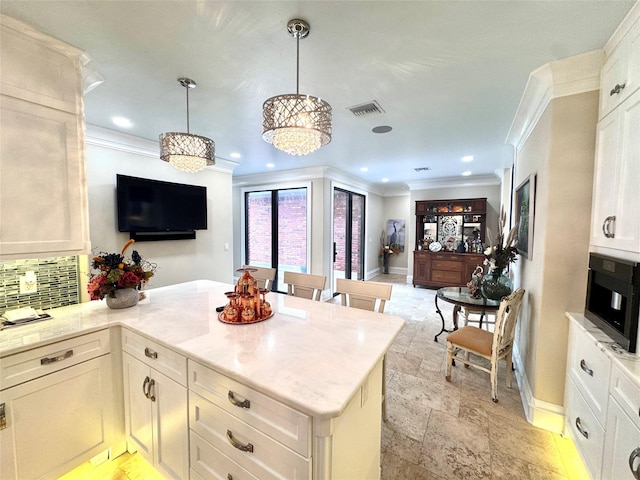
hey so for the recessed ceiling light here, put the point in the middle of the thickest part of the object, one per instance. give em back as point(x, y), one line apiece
point(381, 129)
point(270, 165)
point(235, 155)
point(364, 169)
point(466, 174)
point(385, 180)
point(467, 158)
point(122, 122)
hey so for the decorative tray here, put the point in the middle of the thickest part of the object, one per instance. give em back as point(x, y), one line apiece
point(256, 320)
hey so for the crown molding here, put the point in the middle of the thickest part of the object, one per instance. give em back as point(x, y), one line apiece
point(453, 182)
point(569, 76)
point(114, 140)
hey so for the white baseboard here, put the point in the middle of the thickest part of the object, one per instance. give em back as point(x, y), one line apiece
point(539, 413)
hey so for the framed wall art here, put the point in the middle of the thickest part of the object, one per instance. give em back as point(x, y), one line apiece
point(525, 213)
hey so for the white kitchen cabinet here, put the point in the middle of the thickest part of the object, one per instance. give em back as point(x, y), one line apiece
point(620, 75)
point(615, 223)
point(156, 412)
point(586, 397)
point(43, 200)
point(58, 411)
point(238, 432)
point(602, 403)
point(622, 442)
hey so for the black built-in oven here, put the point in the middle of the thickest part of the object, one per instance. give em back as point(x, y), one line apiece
point(613, 298)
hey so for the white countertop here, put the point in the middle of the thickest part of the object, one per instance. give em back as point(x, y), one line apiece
point(629, 362)
point(312, 355)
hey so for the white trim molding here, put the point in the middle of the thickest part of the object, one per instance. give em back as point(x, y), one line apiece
point(539, 413)
point(570, 76)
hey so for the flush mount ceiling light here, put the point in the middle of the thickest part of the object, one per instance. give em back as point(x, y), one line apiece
point(185, 151)
point(294, 123)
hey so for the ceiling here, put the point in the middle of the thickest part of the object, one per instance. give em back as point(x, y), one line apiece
point(448, 74)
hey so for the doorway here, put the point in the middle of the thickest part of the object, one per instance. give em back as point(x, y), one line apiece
point(348, 235)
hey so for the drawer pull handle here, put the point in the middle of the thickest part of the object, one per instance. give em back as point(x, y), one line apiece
point(244, 448)
point(145, 386)
point(3, 417)
point(229, 476)
point(241, 404)
point(151, 396)
point(632, 458)
point(617, 89)
point(64, 356)
point(150, 353)
point(583, 366)
point(584, 433)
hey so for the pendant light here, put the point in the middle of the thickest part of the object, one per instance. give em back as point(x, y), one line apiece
point(294, 123)
point(185, 151)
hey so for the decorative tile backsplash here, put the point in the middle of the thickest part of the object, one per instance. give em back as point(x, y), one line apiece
point(57, 279)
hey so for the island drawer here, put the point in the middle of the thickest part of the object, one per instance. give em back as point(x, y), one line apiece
point(209, 463)
point(278, 421)
point(25, 366)
point(151, 353)
point(258, 453)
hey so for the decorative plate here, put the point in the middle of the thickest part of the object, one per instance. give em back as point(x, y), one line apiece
point(435, 246)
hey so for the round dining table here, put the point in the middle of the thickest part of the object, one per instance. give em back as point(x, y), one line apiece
point(461, 297)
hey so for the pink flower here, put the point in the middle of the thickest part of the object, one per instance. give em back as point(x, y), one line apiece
point(129, 279)
point(96, 286)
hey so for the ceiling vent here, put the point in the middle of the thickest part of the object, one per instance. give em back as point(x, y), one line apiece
point(422, 169)
point(366, 109)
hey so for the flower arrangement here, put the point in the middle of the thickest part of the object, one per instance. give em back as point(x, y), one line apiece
point(503, 252)
point(114, 272)
point(386, 247)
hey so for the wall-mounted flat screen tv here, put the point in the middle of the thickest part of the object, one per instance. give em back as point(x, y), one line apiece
point(146, 205)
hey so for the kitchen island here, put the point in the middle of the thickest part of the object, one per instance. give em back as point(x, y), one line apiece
point(316, 365)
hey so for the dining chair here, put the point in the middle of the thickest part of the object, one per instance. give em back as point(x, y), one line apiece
point(365, 295)
point(264, 276)
point(491, 346)
point(483, 319)
point(305, 285)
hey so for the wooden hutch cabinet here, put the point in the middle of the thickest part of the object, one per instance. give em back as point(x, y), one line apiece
point(442, 226)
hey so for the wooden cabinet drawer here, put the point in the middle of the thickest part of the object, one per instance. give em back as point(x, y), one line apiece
point(586, 432)
point(161, 358)
point(267, 458)
point(443, 276)
point(286, 425)
point(25, 366)
point(209, 463)
point(590, 369)
point(447, 265)
point(626, 393)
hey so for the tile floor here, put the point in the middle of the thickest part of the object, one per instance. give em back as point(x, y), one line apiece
point(436, 429)
point(452, 430)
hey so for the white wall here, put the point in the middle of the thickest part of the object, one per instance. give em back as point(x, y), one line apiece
point(109, 153)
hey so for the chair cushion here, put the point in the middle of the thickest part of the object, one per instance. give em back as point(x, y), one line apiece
point(472, 338)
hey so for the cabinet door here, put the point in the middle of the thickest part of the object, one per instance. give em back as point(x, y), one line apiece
point(615, 222)
point(170, 426)
point(43, 205)
point(622, 446)
point(57, 422)
point(620, 76)
point(137, 407)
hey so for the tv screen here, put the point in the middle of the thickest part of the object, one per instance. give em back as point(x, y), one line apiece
point(146, 205)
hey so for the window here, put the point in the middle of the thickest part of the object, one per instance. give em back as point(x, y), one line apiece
point(276, 231)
